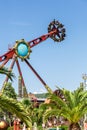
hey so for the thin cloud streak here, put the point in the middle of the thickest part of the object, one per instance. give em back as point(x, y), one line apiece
point(20, 23)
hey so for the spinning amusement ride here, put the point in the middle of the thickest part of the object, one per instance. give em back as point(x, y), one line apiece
point(22, 50)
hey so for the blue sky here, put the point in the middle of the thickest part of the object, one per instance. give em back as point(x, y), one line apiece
point(59, 64)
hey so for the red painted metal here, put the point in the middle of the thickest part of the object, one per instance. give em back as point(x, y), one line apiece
point(7, 55)
point(15, 125)
point(10, 53)
point(42, 81)
point(18, 125)
point(11, 67)
point(54, 29)
point(4, 62)
point(41, 38)
point(20, 72)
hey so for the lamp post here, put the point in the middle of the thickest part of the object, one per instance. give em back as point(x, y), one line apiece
point(84, 76)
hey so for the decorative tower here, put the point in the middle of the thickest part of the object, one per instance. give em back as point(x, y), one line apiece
point(19, 86)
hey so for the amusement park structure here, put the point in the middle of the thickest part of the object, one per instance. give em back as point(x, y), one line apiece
point(22, 50)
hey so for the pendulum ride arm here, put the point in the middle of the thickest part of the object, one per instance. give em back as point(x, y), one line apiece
point(20, 72)
point(38, 76)
point(40, 39)
point(55, 31)
point(4, 62)
point(7, 55)
point(32, 43)
point(11, 67)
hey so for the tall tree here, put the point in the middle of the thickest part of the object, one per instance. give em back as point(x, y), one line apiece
point(12, 105)
point(32, 109)
point(9, 91)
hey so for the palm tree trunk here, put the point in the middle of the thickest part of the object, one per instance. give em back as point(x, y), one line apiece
point(74, 126)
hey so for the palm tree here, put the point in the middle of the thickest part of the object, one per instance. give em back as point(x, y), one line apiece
point(17, 108)
point(72, 107)
point(32, 110)
point(12, 105)
point(28, 106)
point(9, 91)
point(7, 72)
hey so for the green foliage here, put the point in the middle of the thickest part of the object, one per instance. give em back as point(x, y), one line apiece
point(9, 91)
point(7, 72)
point(1, 113)
point(40, 128)
point(32, 111)
point(16, 108)
point(72, 107)
point(10, 128)
point(26, 102)
point(42, 95)
point(64, 127)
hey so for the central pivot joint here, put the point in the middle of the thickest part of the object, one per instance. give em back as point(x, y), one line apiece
point(22, 49)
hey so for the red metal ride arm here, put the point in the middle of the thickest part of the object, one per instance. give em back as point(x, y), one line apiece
point(41, 38)
point(20, 72)
point(55, 31)
point(7, 55)
point(32, 43)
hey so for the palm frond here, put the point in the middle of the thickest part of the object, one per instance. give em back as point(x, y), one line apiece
point(52, 112)
point(7, 72)
point(72, 108)
point(16, 108)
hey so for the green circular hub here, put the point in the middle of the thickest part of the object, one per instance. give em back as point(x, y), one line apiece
point(22, 49)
